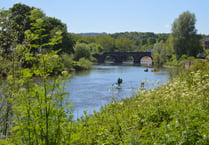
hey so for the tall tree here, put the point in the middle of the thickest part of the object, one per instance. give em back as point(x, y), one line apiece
point(20, 15)
point(159, 53)
point(52, 25)
point(20, 18)
point(124, 44)
point(107, 42)
point(184, 38)
point(82, 50)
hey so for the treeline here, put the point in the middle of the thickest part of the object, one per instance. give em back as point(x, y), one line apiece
point(23, 25)
point(21, 18)
point(127, 41)
point(118, 42)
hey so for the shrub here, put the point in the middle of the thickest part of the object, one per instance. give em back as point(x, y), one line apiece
point(67, 61)
point(82, 50)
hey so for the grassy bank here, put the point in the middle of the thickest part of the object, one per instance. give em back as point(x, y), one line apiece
point(176, 113)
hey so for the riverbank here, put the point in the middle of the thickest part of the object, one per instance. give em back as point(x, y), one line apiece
point(176, 113)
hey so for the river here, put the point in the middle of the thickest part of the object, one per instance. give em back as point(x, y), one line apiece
point(90, 90)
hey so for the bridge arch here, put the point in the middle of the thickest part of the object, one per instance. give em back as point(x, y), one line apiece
point(146, 58)
point(117, 57)
point(120, 56)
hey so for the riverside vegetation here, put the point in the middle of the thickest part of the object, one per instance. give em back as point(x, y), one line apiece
point(175, 113)
point(36, 113)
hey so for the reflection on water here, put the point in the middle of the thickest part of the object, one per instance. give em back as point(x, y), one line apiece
point(90, 90)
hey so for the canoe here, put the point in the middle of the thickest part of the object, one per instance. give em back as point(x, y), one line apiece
point(154, 70)
point(146, 70)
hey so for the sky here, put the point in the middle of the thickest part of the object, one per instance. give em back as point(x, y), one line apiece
point(111, 16)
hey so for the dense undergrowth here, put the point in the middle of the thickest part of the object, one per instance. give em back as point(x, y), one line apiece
point(175, 113)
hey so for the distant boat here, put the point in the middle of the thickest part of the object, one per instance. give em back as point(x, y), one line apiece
point(146, 70)
point(155, 70)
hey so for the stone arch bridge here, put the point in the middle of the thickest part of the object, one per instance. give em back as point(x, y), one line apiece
point(120, 56)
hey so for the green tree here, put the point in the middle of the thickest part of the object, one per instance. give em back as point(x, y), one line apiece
point(124, 44)
point(82, 50)
point(67, 61)
point(52, 25)
point(15, 21)
point(159, 53)
point(20, 16)
point(169, 48)
point(143, 42)
point(37, 111)
point(107, 42)
point(95, 48)
point(7, 33)
point(151, 41)
point(184, 38)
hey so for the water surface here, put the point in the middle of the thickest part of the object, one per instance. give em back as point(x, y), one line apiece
point(93, 89)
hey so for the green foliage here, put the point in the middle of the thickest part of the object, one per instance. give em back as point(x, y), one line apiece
point(199, 64)
point(35, 113)
point(124, 44)
point(67, 61)
point(184, 38)
point(21, 18)
point(82, 64)
point(127, 41)
point(151, 41)
point(207, 52)
point(159, 53)
point(175, 113)
point(139, 35)
point(107, 42)
point(96, 48)
point(81, 50)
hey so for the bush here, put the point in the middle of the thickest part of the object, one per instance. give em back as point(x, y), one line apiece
point(82, 64)
point(82, 50)
point(67, 61)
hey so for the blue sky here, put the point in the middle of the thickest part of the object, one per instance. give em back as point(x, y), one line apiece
point(120, 15)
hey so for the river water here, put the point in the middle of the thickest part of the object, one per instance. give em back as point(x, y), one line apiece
point(90, 90)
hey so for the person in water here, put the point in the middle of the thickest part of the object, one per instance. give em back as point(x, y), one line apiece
point(120, 81)
point(142, 84)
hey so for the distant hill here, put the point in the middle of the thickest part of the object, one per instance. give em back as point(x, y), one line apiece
point(92, 34)
point(139, 35)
